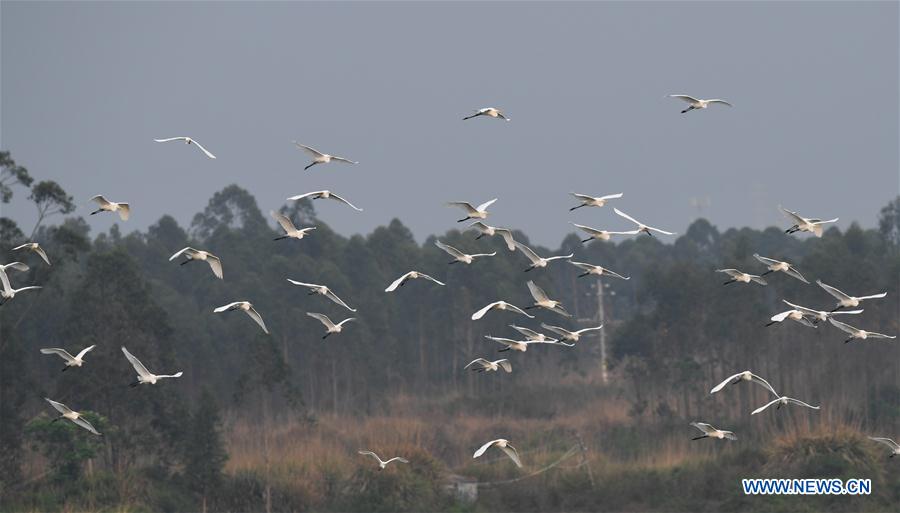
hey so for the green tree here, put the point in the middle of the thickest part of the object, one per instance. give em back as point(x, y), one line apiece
point(204, 451)
point(11, 174)
point(50, 199)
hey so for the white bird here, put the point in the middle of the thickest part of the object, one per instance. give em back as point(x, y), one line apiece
point(793, 314)
point(204, 256)
point(530, 334)
point(321, 158)
point(324, 195)
point(490, 231)
point(819, 315)
point(329, 325)
point(459, 256)
point(641, 227)
point(489, 366)
point(290, 231)
point(595, 234)
point(778, 265)
point(846, 300)
point(510, 344)
point(487, 111)
point(744, 376)
point(593, 201)
point(247, 308)
point(596, 270)
point(144, 376)
point(500, 305)
point(542, 300)
point(188, 140)
point(565, 334)
point(504, 446)
point(322, 290)
point(74, 416)
point(895, 448)
point(696, 103)
point(538, 261)
point(7, 293)
point(34, 246)
point(741, 277)
point(17, 266)
point(71, 361)
point(412, 275)
point(782, 401)
point(123, 209)
point(858, 333)
point(382, 464)
point(803, 224)
point(479, 212)
point(711, 432)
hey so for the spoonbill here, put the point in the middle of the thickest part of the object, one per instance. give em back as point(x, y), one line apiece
point(145, 377)
point(490, 112)
point(597, 270)
point(782, 401)
point(500, 305)
point(593, 201)
point(595, 234)
point(323, 291)
point(16, 266)
point(490, 231)
point(459, 256)
point(321, 158)
point(382, 464)
point(479, 212)
point(565, 334)
point(204, 256)
point(123, 209)
point(858, 333)
point(744, 376)
point(71, 361)
point(510, 344)
point(34, 246)
point(711, 432)
point(412, 275)
point(489, 366)
point(819, 315)
point(530, 334)
point(793, 314)
point(845, 300)
point(778, 265)
point(188, 140)
point(290, 231)
point(803, 224)
point(641, 227)
point(895, 448)
point(696, 103)
point(740, 277)
point(74, 416)
point(538, 261)
point(330, 326)
point(247, 308)
point(324, 195)
point(8, 292)
point(503, 445)
point(542, 300)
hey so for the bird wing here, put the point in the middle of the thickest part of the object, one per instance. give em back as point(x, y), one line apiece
point(791, 271)
point(397, 458)
point(60, 407)
point(801, 403)
point(874, 296)
point(450, 250)
point(306, 195)
point(588, 229)
point(629, 232)
point(138, 366)
point(342, 159)
point(312, 151)
point(258, 318)
point(124, 211)
point(480, 313)
point(704, 427)
point(657, 230)
point(766, 260)
point(393, 286)
point(100, 200)
point(483, 448)
point(507, 236)
point(427, 277)
point(513, 455)
point(332, 296)
point(717, 100)
point(322, 318)
point(793, 215)
point(845, 327)
point(626, 216)
point(760, 381)
point(833, 291)
point(526, 331)
point(372, 454)
point(342, 200)
point(615, 274)
point(845, 312)
point(85, 351)
point(556, 329)
point(43, 254)
point(284, 221)
point(465, 205)
point(485, 205)
point(721, 385)
point(227, 307)
point(171, 139)
point(761, 408)
point(478, 225)
point(758, 279)
point(86, 425)
point(204, 150)
point(730, 272)
point(215, 264)
point(781, 316)
point(560, 310)
point(483, 254)
point(585, 330)
point(516, 309)
point(21, 247)
point(189, 250)
point(4, 281)
point(685, 98)
point(62, 353)
point(583, 197)
point(531, 255)
point(886, 441)
point(309, 285)
point(873, 334)
point(505, 365)
point(558, 257)
point(582, 265)
point(480, 361)
point(537, 293)
point(611, 196)
point(729, 435)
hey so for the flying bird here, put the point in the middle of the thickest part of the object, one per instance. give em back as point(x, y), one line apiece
point(188, 140)
point(711, 432)
point(329, 325)
point(530, 334)
point(846, 300)
point(565, 334)
point(500, 305)
point(490, 231)
point(479, 212)
point(793, 314)
point(537, 261)
point(382, 464)
point(7, 293)
point(324, 195)
point(696, 103)
point(71, 361)
point(504, 446)
point(895, 448)
point(192, 255)
point(247, 308)
point(741, 277)
point(777, 265)
point(510, 344)
point(145, 377)
point(489, 112)
point(123, 209)
point(16, 266)
point(744, 376)
point(74, 416)
point(412, 275)
point(819, 315)
point(592, 201)
point(322, 290)
point(641, 227)
point(542, 300)
point(34, 246)
point(803, 224)
point(483, 365)
point(321, 158)
point(783, 401)
point(858, 333)
point(595, 234)
point(290, 231)
point(596, 270)
point(459, 256)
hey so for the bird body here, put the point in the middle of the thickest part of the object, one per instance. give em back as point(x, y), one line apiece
point(321, 158)
point(592, 201)
point(489, 366)
point(500, 305)
point(123, 209)
point(503, 445)
point(697, 103)
point(490, 112)
point(711, 432)
point(794, 314)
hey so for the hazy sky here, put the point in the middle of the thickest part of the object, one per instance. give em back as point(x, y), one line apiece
point(87, 86)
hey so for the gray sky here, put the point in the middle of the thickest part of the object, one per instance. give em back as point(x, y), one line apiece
point(87, 86)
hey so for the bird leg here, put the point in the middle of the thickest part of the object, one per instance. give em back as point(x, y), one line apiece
point(502, 350)
point(579, 206)
point(97, 211)
point(767, 272)
point(848, 340)
point(453, 262)
point(699, 437)
point(282, 237)
point(463, 219)
point(530, 268)
point(583, 275)
point(729, 281)
point(136, 383)
point(480, 236)
point(311, 293)
point(64, 369)
point(311, 165)
point(189, 260)
point(587, 240)
point(326, 335)
point(778, 407)
point(771, 323)
point(892, 455)
point(530, 307)
point(735, 382)
point(835, 309)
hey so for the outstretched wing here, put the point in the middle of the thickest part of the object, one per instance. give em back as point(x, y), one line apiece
point(43, 254)
point(397, 458)
point(766, 260)
point(86, 425)
point(306, 195)
point(393, 286)
point(372, 454)
point(505, 365)
point(429, 278)
point(480, 361)
point(322, 318)
point(794, 273)
point(62, 353)
point(138, 366)
point(845, 327)
point(258, 318)
point(556, 329)
point(485, 205)
point(100, 200)
point(685, 98)
point(716, 100)
point(793, 215)
point(342, 200)
point(760, 381)
point(537, 293)
point(227, 307)
point(704, 427)
point(60, 407)
point(507, 237)
point(483, 448)
point(833, 291)
point(761, 408)
point(480, 313)
point(332, 296)
point(465, 205)
point(312, 151)
point(801, 403)
point(588, 229)
point(513, 454)
point(85, 351)
point(215, 264)
point(284, 221)
point(531, 255)
point(455, 253)
point(726, 381)
point(171, 139)
point(204, 150)
point(886, 441)
point(188, 250)
point(626, 216)
point(342, 159)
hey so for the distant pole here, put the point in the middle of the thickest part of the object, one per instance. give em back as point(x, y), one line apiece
point(584, 459)
point(601, 317)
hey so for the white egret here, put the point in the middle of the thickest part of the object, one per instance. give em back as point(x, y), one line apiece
point(595, 234)
point(778, 265)
point(412, 275)
point(203, 256)
point(124, 209)
point(7, 292)
point(489, 366)
point(597, 270)
point(538, 261)
point(641, 227)
point(490, 231)
point(530, 334)
point(247, 308)
point(858, 333)
point(490, 112)
point(565, 334)
point(593, 201)
point(503, 445)
point(711, 432)
point(895, 448)
point(34, 246)
point(500, 305)
point(739, 276)
point(324, 195)
point(330, 326)
point(145, 377)
point(290, 231)
point(479, 212)
point(321, 158)
point(783, 401)
point(74, 416)
point(510, 344)
point(820, 315)
point(323, 291)
point(187, 140)
point(696, 103)
point(803, 224)
point(459, 256)
point(744, 376)
point(71, 361)
point(846, 300)
point(542, 300)
point(381, 463)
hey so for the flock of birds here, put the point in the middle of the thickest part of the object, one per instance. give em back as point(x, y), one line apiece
point(525, 336)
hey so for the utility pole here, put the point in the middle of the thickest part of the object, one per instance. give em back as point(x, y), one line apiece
point(584, 459)
point(601, 317)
